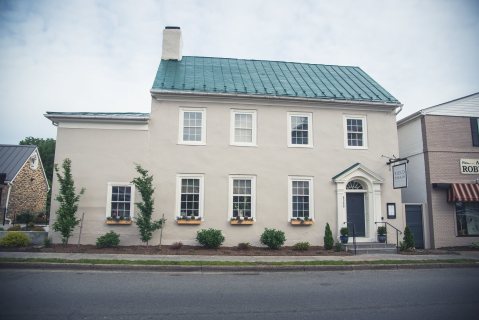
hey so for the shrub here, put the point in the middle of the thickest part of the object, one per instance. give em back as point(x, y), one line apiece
point(15, 227)
point(47, 242)
point(210, 238)
point(338, 247)
point(328, 238)
point(1, 229)
point(382, 230)
point(301, 246)
point(15, 239)
point(25, 217)
point(37, 228)
point(244, 246)
point(176, 245)
point(40, 218)
point(273, 238)
point(344, 231)
point(108, 240)
point(408, 240)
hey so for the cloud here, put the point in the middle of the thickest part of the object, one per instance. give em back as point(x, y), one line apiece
point(103, 55)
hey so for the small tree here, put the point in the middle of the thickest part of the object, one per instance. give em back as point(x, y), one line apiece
point(144, 184)
point(68, 199)
point(408, 239)
point(328, 238)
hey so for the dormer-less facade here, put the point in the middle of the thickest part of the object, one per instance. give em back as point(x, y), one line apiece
point(442, 199)
point(241, 145)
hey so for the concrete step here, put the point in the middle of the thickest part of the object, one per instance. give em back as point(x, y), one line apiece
point(371, 247)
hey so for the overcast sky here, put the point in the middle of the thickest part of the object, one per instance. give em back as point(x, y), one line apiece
point(103, 55)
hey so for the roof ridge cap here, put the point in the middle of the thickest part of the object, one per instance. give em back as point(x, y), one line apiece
point(266, 60)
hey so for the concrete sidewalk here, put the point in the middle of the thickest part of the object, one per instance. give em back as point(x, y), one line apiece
point(473, 255)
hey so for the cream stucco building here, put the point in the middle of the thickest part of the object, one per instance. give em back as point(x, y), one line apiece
point(240, 145)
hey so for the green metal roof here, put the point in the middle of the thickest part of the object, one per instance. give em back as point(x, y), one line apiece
point(268, 78)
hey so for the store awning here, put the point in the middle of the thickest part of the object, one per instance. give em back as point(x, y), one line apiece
point(465, 192)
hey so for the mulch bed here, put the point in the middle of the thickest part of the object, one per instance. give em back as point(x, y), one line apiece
point(184, 250)
point(222, 251)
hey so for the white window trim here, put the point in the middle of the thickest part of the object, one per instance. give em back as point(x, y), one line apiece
point(365, 131)
point(203, 126)
point(108, 197)
point(179, 177)
point(310, 129)
point(290, 195)
point(232, 128)
point(253, 195)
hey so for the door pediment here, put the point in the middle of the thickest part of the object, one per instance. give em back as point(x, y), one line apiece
point(358, 170)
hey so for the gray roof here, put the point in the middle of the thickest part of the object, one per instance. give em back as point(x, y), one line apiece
point(132, 116)
point(12, 158)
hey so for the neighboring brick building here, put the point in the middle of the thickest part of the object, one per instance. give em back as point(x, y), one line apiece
point(24, 186)
point(442, 197)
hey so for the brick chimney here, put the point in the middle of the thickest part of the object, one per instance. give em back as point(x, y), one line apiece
point(172, 44)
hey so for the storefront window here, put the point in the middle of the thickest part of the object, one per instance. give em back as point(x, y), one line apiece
point(467, 216)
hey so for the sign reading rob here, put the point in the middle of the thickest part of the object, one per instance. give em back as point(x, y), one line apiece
point(469, 166)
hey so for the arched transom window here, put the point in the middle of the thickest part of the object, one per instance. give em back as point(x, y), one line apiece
point(354, 185)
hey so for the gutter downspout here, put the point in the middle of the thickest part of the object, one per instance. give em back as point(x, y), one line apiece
point(400, 109)
point(6, 203)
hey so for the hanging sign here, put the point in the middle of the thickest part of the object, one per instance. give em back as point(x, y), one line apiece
point(399, 176)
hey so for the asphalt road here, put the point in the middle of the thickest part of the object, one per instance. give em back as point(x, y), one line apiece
point(393, 294)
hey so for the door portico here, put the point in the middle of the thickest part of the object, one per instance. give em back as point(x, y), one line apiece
point(363, 187)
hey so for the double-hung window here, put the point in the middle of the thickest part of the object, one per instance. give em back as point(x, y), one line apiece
point(120, 200)
point(300, 193)
point(355, 132)
point(192, 126)
point(242, 202)
point(300, 130)
point(189, 196)
point(243, 128)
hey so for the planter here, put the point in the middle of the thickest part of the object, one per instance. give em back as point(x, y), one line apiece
point(36, 237)
point(382, 238)
point(301, 222)
point(241, 222)
point(190, 222)
point(344, 239)
point(119, 222)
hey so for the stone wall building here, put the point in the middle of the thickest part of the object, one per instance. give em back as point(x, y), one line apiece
point(24, 187)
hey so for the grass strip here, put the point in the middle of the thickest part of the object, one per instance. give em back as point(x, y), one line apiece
point(234, 263)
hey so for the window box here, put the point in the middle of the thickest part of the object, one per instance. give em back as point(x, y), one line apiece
point(244, 221)
point(301, 222)
point(118, 222)
point(188, 221)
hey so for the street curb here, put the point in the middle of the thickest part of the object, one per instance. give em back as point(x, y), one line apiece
point(207, 268)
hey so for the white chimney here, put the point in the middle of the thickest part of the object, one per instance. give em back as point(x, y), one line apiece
point(172, 44)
